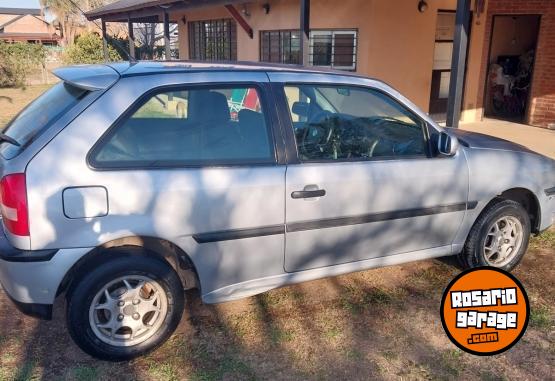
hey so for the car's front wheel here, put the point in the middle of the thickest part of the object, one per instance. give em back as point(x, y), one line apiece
point(499, 237)
point(125, 307)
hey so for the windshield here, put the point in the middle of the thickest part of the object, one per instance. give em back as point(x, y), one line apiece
point(39, 116)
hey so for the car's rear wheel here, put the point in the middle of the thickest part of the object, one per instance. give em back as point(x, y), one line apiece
point(125, 307)
point(499, 237)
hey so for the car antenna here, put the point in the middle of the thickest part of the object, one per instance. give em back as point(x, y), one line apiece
point(129, 57)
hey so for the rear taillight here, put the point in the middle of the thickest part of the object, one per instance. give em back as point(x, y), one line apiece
point(13, 204)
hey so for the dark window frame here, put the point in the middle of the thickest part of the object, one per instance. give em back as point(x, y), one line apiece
point(279, 88)
point(198, 38)
point(268, 39)
point(267, 112)
point(354, 31)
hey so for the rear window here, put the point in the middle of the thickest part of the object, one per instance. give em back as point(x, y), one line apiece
point(39, 115)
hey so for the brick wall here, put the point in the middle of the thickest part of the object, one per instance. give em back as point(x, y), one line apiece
point(541, 110)
point(29, 24)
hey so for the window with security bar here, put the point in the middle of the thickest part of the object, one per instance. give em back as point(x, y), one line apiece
point(335, 49)
point(281, 46)
point(213, 40)
point(328, 48)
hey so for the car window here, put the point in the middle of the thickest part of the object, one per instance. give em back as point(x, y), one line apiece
point(352, 123)
point(190, 127)
point(40, 115)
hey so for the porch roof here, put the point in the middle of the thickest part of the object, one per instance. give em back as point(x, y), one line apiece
point(29, 37)
point(148, 10)
point(20, 11)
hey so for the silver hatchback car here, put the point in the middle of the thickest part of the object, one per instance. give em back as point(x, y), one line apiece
point(126, 184)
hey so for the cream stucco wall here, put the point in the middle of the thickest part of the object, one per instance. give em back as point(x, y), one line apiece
point(395, 41)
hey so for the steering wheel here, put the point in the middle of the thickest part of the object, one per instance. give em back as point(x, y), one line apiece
point(403, 147)
point(317, 134)
point(373, 147)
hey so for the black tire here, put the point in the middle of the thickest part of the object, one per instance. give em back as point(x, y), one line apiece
point(473, 255)
point(82, 294)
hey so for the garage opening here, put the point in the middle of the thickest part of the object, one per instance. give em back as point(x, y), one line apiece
point(511, 65)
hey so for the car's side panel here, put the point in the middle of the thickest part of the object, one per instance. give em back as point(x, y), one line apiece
point(489, 171)
point(256, 286)
point(176, 204)
point(373, 209)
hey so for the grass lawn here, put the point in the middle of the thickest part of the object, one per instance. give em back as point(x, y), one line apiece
point(13, 100)
point(378, 324)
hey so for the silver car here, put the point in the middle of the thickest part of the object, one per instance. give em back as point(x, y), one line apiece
point(126, 184)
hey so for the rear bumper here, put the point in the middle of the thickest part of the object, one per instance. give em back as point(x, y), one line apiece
point(32, 278)
point(41, 311)
point(9, 253)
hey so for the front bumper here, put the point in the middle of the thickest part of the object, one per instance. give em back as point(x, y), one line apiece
point(31, 278)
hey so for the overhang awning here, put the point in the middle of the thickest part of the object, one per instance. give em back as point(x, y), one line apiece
point(29, 37)
point(149, 10)
point(20, 11)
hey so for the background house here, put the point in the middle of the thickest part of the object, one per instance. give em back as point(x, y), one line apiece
point(507, 70)
point(26, 24)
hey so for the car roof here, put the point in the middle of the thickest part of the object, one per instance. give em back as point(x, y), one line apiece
point(159, 67)
point(101, 76)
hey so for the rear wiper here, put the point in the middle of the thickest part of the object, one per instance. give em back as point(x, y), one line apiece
point(9, 139)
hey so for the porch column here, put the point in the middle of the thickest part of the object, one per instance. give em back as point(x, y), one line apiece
point(458, 63)
point(131, 38)
point(305, 32)
point(104, 41)
point(167, 35)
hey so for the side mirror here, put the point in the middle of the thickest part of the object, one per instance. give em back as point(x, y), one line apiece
point(447, 145)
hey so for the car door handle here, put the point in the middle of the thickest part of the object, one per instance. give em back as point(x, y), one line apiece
point(308, 193)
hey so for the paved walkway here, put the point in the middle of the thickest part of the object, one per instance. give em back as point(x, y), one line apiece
point(538, 139)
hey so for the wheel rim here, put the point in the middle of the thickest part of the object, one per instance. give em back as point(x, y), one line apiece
point(128, 310)
point(503, 241)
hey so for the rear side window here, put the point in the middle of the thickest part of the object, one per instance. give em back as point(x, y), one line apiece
point(195, 126)
point(39, 116)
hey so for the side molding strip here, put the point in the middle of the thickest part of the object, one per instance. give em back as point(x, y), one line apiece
point(376, 217)
point(550, 192)
point(228, 235)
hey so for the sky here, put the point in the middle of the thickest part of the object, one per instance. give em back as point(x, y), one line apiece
point(20, 3)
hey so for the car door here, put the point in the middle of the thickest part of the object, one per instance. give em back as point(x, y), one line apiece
point(363, 181)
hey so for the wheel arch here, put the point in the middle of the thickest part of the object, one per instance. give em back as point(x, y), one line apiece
point(529, 202)
point(159, 248)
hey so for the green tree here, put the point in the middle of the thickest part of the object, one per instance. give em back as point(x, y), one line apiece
point(17, 60)
point(87, 49)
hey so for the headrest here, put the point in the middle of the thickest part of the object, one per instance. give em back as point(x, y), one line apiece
point(208, 106)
